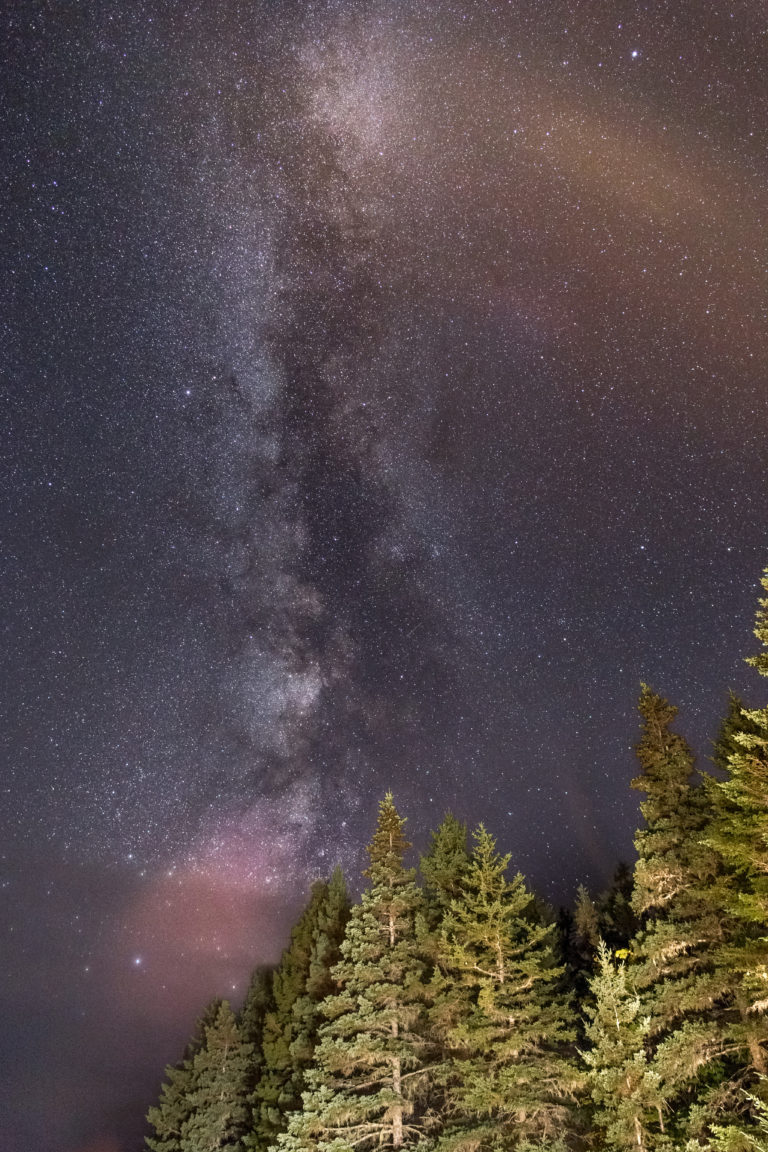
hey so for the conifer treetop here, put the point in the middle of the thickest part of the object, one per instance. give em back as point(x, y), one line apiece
point(761, 631)
point(664, 756)
point(389, 845)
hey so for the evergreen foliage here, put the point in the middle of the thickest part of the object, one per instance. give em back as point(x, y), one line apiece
point(738, 834)
point(370, 1063)
point(167, 1117)
point(174, 1107)
point(219, 1114)
point(291, 1017)
point(673, 956)
point(512, 1079)
point(610, 918)
point(761, 631)
point(444, 866)
point(257, 1002)
point(440, 1018)
point(626, 1092)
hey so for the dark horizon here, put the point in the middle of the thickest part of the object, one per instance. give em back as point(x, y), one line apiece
point(387, 400)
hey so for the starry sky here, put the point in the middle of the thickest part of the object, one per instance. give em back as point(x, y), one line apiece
point(386, 398)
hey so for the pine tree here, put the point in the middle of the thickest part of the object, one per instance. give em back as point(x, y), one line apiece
point(167, 1117)
point(512, 1079)
point(220, 1070)
point(444, 866)
point(370, 1062)
point(175, 1105)
point(257, 1002)
point(586, 921)
point(738, 832)
point(673, 966)
point(291, 1019)
point(760, 661)
point(667, 846)
point(625, 1091)
point(617, 919)
point(610, 917)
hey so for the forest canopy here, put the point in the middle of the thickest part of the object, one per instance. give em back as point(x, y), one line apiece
point(449, 1009)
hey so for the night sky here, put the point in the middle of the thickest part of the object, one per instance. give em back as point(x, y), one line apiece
point(386, 393)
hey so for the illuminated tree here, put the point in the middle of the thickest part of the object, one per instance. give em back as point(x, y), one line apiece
point(511, 1077)
point(291, 1020)
point(625, 1090)
point(220, 1070)
point(174, 1107)
point(738, 833)
point(444, 866)
point(370, 1061)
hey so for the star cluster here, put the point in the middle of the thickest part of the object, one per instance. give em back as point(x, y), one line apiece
point(386, 393)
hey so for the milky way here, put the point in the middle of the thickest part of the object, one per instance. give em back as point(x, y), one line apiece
point(387, 395)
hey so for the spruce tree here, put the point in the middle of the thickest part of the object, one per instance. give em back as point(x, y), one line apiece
point(220, 1069)
point(257, 1002)
point(167, 1117)
point(673, 956)
point(370, 1062)
point(175, 1105)
point(760, 661)
point(738, 832)
point(291, 1019)
point(610, 918)
point(444, 866)
point(667, 847)
point(751, 1137)
point(681, 960)
point(625, 1090)
point(511, 1078)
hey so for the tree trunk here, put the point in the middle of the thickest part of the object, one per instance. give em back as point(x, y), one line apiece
point(397, 1112)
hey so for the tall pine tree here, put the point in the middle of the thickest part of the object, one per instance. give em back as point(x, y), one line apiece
point(220, 1069)
point(673, 956)
point(512, 1078)
point(370, 1063)
point(291, 1019)
point(738, 833)
point(625, 1091)
point(444, 866)
point(175, 1105)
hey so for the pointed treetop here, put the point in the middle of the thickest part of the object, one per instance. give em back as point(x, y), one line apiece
point(389, 845)
point(665, 758)
point(445, 863)
point(761, 631)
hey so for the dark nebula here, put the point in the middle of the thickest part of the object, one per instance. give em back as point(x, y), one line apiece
point(386, 398)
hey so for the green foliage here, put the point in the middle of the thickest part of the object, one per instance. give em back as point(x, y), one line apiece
point(672, 808)
point(219, 1113)
point(167, 1117)
point(586, 921)
point(389, 845)
point(370, 1063)
point(440, 1020)
point(508, 1037)
point(747, 1136)
point(626, 1092)
point(174, 1107)
point(738, 834)
point(444, 866)
point(291, 1017)
point(673, 956)
point(761, 631)
point(258, 1001)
